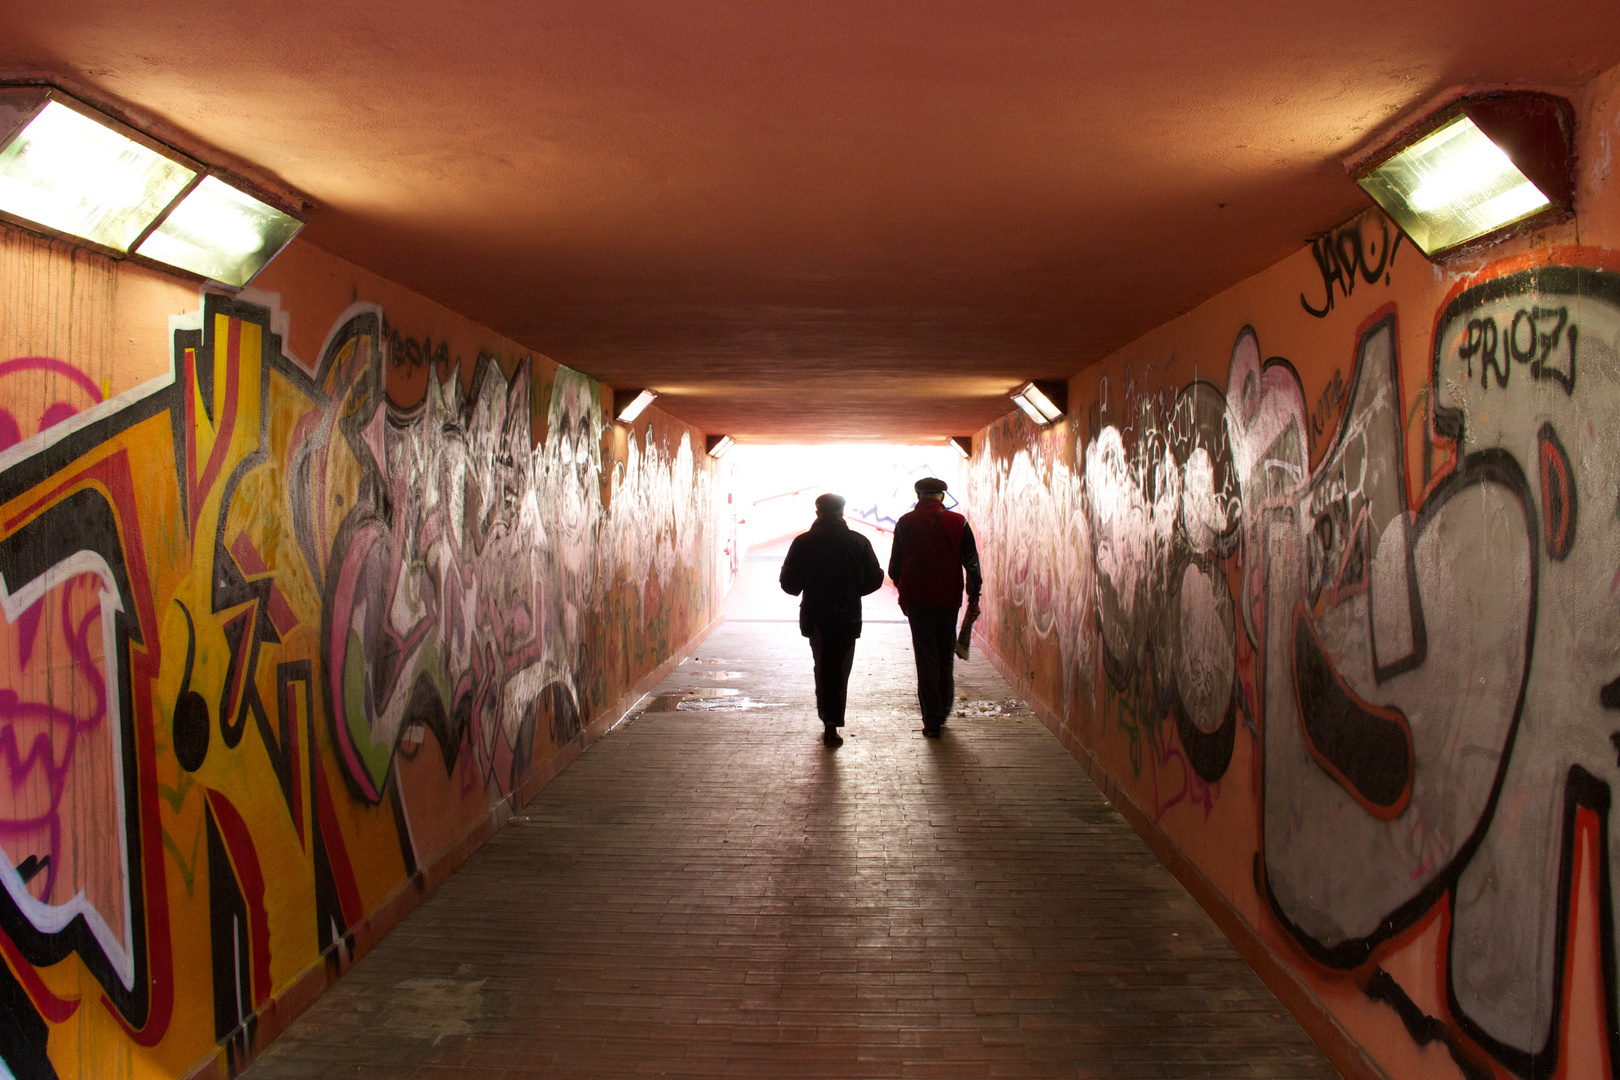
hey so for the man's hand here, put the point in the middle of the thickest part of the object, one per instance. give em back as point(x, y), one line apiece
point(972, 610)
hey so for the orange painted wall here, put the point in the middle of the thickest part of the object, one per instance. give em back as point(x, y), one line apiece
point(1322, 574)
point(302, 590)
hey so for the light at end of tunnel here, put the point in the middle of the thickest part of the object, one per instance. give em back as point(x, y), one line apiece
point(962, 444)
point(629, 404)
point(717, 445)
point(1475, 170)
point(1043, 402)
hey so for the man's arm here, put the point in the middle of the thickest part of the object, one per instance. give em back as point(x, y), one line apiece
point(792, 576)
point(970, 566)
point(894, 559)
point(871, 573)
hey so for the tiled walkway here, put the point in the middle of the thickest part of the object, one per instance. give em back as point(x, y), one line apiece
point(708, 892)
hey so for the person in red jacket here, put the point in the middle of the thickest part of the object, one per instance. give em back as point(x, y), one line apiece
point(933, 552)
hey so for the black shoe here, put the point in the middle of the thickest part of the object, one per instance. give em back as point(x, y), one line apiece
point(931, 731)
point(830, 737)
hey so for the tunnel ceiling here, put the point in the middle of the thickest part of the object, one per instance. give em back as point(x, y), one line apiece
point(807, 220)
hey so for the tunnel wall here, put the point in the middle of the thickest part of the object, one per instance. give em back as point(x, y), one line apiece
point(1319, 580)
point(302, 591)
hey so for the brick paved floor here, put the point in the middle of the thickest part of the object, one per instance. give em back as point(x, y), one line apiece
point(708, 892)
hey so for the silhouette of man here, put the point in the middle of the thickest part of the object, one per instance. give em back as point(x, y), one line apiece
point(933, 551)
point(833, 567)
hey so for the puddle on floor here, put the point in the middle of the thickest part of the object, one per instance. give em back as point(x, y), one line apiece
point(990, 709)
point(722, 675)
point(671, 702)
point(736, 704)
point(705, 699)
point(701, 660)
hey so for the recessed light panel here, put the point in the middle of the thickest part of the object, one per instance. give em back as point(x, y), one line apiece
point(634, 406)
point(1452, 186)
point(221, 233)
point(1037, 402)
point(78, 176)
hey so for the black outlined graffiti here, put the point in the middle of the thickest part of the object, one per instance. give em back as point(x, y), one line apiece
point(1473, 649)
point(1123, 558)
point(406, 351)
point(23, 1033)
point(1327, 406)
point(1560, 503)
point(1430, 660)
point(1549, 345)
point(1506, 966)
point(1345, 256)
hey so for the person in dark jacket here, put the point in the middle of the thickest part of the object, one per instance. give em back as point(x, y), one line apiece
point(934, 551)
point(833, 567)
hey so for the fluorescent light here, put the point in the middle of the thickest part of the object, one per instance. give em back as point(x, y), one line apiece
point(1500, 160)
point(629, 409)
point(221, 233)
point(1518, 201)
point(718, 445)
point(1029, 409)
point(67, 169)
point(1454, 162)
point(1042, 402)
point(85, 177)
point(962, 444)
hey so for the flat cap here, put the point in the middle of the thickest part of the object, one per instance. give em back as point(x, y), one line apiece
point(930, 485)
point(829, 504)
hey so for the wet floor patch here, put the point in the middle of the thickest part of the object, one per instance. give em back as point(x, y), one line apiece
point(426, 1008)
point(671, 702)
point(991, 709)
point(705, 699)
point(740, 703)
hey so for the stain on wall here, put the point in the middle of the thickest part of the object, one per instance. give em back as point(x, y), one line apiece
point(279, 635)
point(1324, 576)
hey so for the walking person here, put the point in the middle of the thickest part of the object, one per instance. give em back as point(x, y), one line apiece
point(934, 556)
point(833, 567)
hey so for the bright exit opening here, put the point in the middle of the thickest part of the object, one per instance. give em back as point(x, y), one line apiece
point(775, 495)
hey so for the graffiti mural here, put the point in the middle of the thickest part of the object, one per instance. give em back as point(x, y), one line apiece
point(434, 592)
point(1045, 569)
point(1120, 558)
point(1432, 666)
point(1409, 609)
point(274, 639)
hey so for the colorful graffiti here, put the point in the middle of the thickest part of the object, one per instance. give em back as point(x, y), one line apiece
point(1414, 620)
point(1119, 558)
point(238, 606)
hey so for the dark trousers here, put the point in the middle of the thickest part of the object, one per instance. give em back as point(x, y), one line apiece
point(834, 658)
point(933, 640)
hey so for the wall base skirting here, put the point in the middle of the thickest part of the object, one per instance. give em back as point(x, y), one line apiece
point(1341, 1050)
point(277, 1014)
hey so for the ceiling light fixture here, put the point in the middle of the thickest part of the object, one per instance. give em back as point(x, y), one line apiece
point(962, 444)
point(1043, 402)
point(221, 233)
point(70, 170)
point(628, 404)
point(717, 445)
point(1475, 170)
